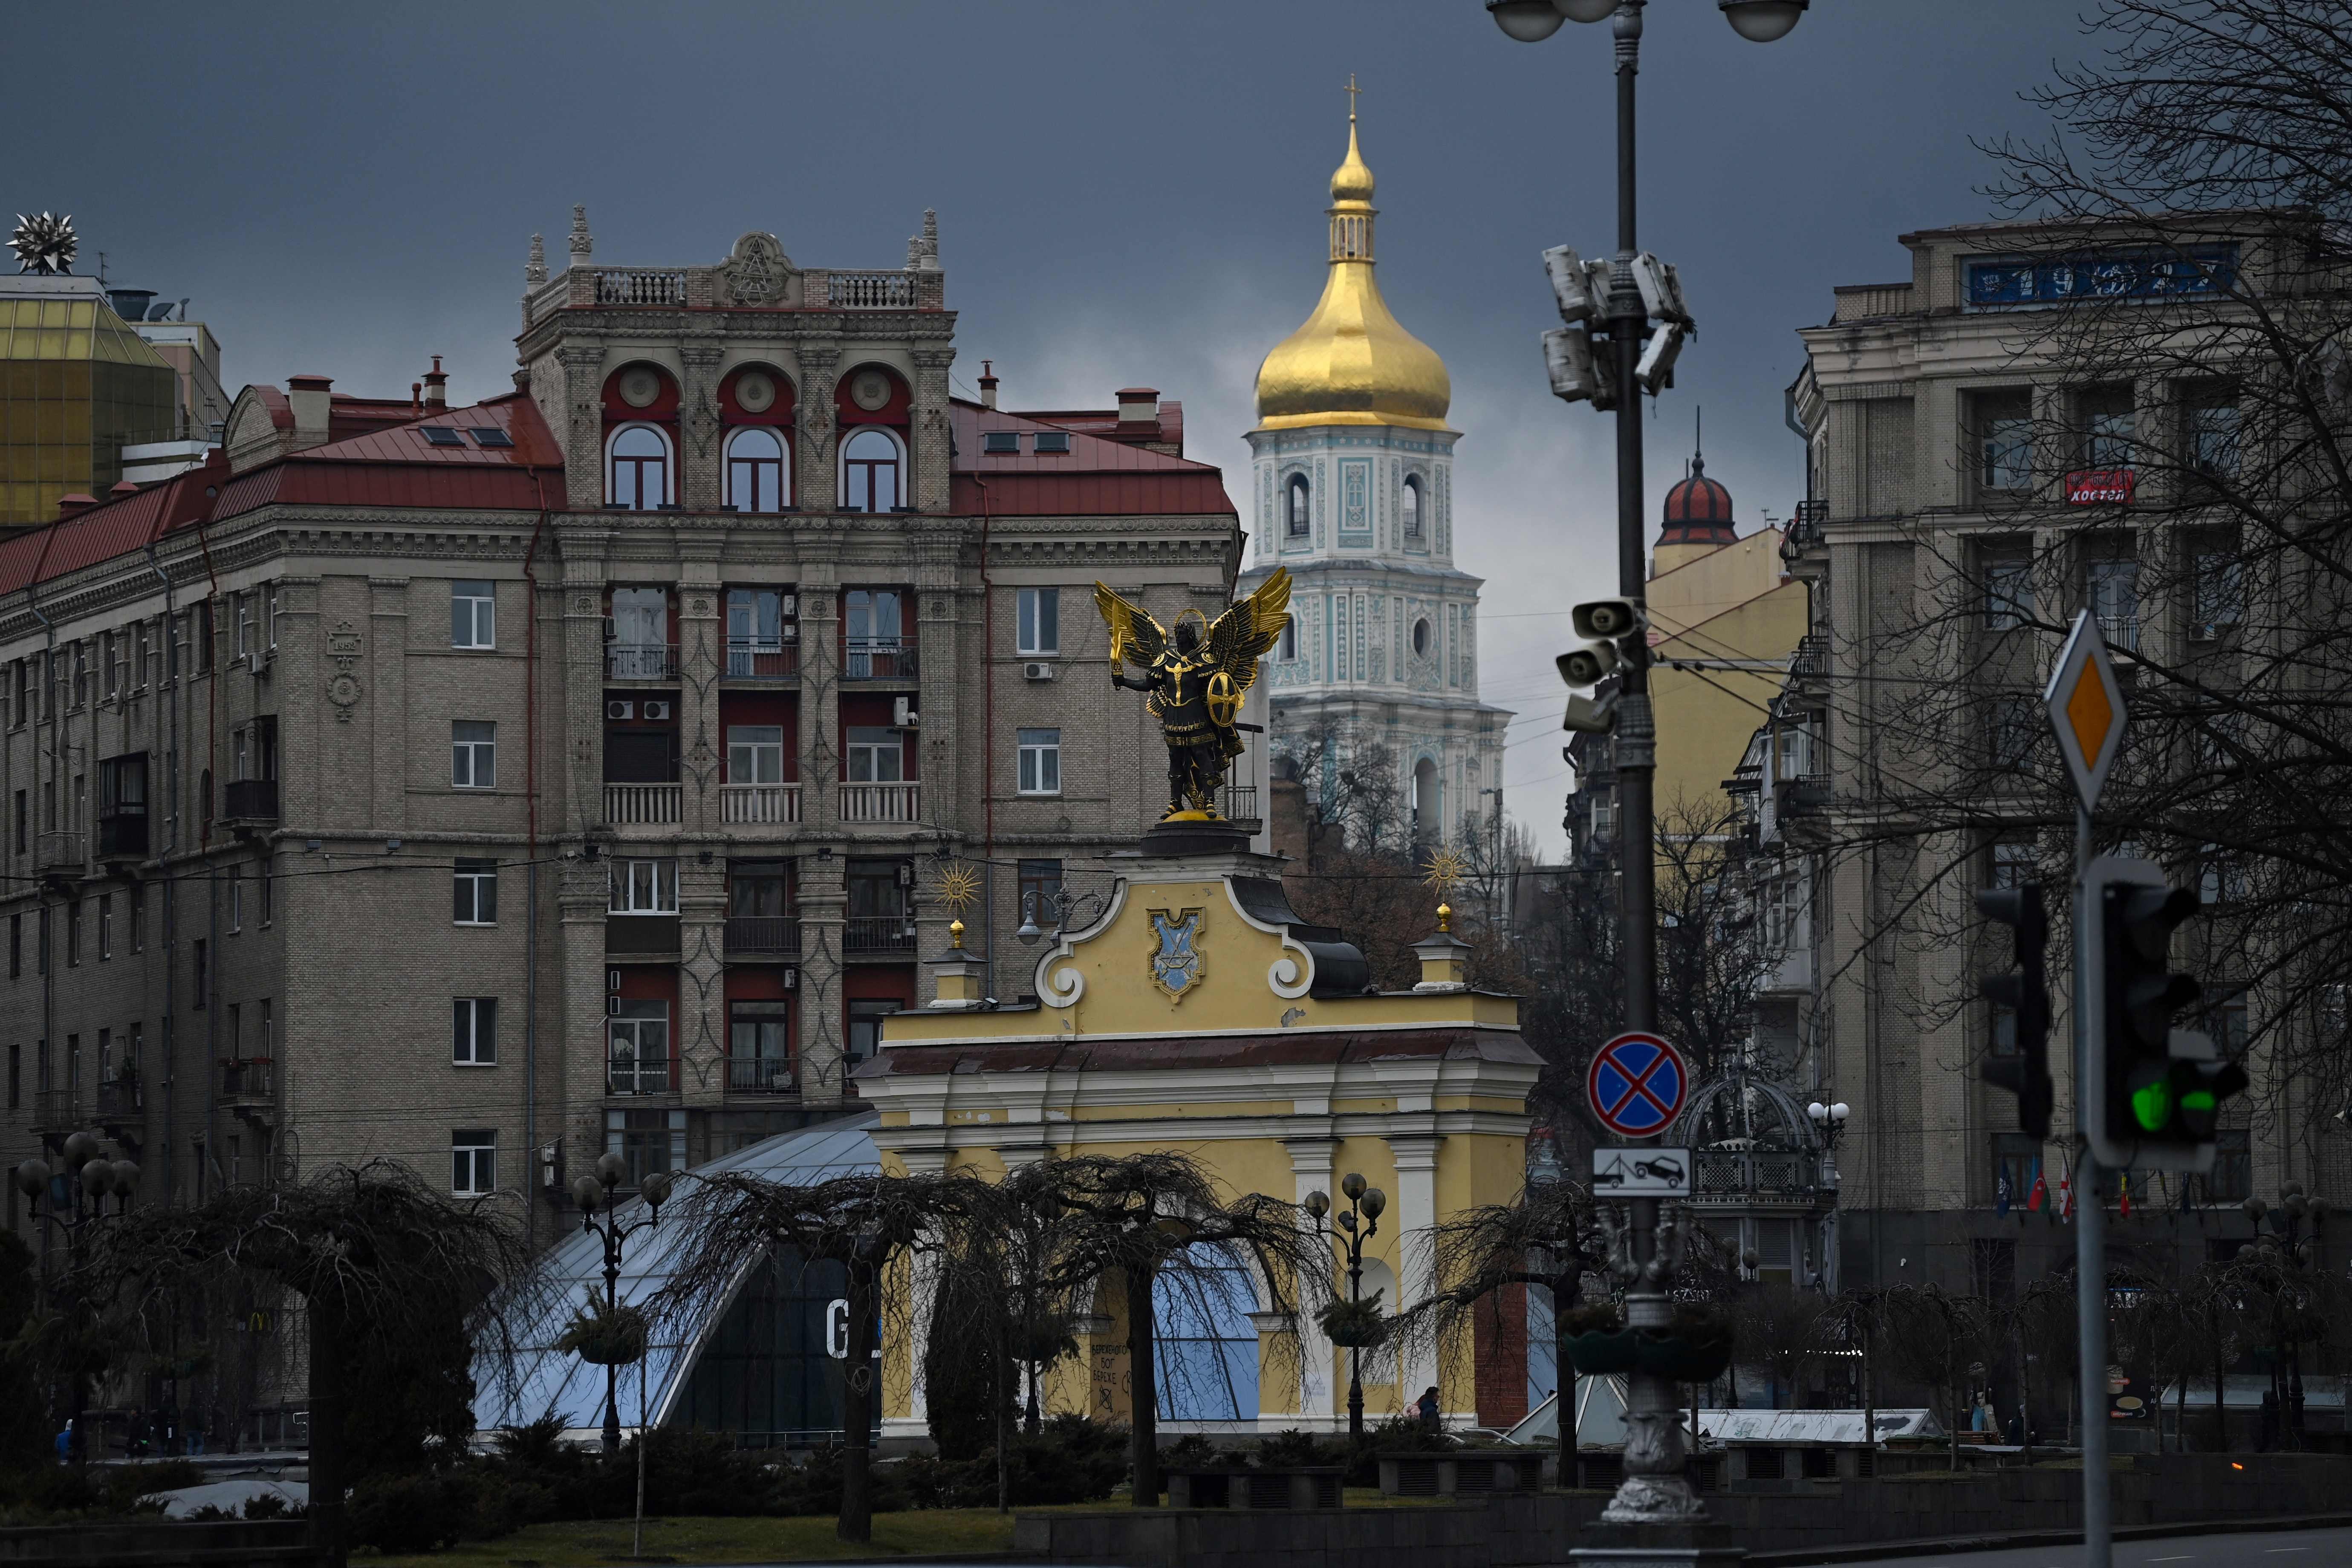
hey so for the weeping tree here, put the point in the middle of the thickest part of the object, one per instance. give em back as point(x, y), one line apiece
point(1149, 1219)
point(1548, 1236)
point(1852, 1318)
point(391, 1273)
point(880, 1229)
point(1933, 1335)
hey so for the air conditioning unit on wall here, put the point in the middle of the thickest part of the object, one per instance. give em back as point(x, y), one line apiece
point(620, 709)
point(657, 710)
point(1038, 670)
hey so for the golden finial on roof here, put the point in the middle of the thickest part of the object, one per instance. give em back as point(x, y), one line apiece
point(1352, 180)
point(1446, 867)
point(955, 934)
point(1445, 915)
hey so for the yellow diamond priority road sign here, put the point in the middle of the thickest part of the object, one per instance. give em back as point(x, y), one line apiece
point(2087, 708)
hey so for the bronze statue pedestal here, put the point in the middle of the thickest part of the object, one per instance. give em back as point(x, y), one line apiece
point(1188, 834)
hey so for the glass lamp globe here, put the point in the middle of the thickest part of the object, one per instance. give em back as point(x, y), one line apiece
point(1529, 21)
point(1762, 21)
point(1586, 10)
point(1817, 1112)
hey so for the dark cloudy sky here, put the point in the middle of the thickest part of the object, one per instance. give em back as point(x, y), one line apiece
point(1127, 192)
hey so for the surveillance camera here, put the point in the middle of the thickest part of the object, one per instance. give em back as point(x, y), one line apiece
point(1586, 666)
point(1656, 370)
point(1662, 290)
point(1591, 716)
point(1572, 285)
point(1576, 375)
point(1606, 620)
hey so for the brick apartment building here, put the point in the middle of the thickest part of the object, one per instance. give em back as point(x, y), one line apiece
point(490, 787)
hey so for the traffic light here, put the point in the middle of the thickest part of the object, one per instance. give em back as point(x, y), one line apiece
point(2026, 995)
point(2155, 1092)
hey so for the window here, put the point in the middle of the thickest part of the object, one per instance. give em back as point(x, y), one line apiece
point(268, 894)
point(149, 672)
point(473, 615)
point(266, 1037)
point(1041, 891)
point(759, 1046)
point(138, 898)
point(442, 435)
point(80, 674)
point(473, 754)
point(646, 1142)
point(15, 946)
point(476, 887)
point(2232, 1180)
point(1000, 441)
point(1798, 749)
point(205, 634)
point(1421, 637)
point(269, 616)
point(757, 632)
point(1040, 620)
point(2014, 864)
point(241, 605)
point(176, 638)
point(638, 1047)
point(2016, 723)
point(27, 679)
point(2225, 1020)
point(869, 472)
point(876, 755)
point(639, 481)
point(643, 888)
point(73, 933)
point(755, 754)
point(474, 1161)
point(2015, 1158)
point(2222, 879)
point(756, 477)
point(1041, 761)
point(640, 634)
point(1046, 441)
point(757, 889)
point(2217, 595)
point(491, 436)
point(874, 620)
point(105, 927)
point(2105, 416)
point(474, 1041)
point(1412, 506)
point(235, 899)
point(2114, 583)
point(1286, 642)
point(2214, 433)
point(865, 1017)
point(2005, 442)
point(15, 1077)
point(114, 651)
point(1297, 519)
point(2009, 591)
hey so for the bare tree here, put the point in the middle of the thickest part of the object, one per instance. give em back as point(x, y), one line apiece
point(1933, 1335)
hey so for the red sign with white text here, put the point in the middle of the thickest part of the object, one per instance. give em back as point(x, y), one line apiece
point(2099, 486)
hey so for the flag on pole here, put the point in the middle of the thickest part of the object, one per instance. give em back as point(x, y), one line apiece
point(2065, 1200)
point(2001, 1197)
point(2041, 1193)
point(2124, 1195)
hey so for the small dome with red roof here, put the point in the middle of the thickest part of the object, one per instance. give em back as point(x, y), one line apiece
point(1698, 510)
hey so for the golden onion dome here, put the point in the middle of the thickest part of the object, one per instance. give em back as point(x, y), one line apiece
point(1350, 363)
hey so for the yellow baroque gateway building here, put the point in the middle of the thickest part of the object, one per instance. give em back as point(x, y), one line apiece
point(1266, 1058)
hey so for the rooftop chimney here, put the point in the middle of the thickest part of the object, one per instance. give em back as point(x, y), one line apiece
point(68, 505)
point(988, 384)
point(437, 385)
point(1139, 405)
point(308, 397)
point(124, 488)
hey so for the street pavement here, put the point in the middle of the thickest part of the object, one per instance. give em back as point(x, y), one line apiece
point(2250, 1548)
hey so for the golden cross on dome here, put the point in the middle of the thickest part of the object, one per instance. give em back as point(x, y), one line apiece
point(1352, 89)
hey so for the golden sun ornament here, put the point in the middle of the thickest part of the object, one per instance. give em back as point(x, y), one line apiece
point(958, 887)
point(1446, 869)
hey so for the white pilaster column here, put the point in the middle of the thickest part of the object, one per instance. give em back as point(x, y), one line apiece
point(923, 1280)
point(1310, 1169)
point(1416, 1213)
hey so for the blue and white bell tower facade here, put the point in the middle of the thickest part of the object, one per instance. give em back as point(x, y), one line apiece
point(1352, 491)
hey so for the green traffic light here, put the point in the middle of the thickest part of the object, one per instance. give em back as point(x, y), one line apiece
point(2152, 1106)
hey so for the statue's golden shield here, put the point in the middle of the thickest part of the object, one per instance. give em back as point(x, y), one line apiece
point(1224, 700)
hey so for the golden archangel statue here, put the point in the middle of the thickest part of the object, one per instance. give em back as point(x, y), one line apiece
point(1196, 678)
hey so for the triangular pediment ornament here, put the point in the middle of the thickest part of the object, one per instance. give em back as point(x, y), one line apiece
point(757, 270)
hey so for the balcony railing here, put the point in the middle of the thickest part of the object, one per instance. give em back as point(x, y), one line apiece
point(881, 803)
point(1811, 657)
point(641, 286)
point(1739, 1176)
point(871, 291)
point(54, 1108)
point(640, 804)
point(637, 1075)
point(123, 834)
point(779, 803)
point(1240, 803)
point(761, 1075)
point(772, 936)
point(640, 661)
point(878, 933)
point(762, 658)
point(249, 800)
point(248, 1081)
point(117, 1099)
point(878, 661)
point(58, 851)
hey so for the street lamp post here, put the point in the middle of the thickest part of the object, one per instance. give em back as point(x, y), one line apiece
point(87, 1172)
point(2287, 1220)
point(1656, 1491)
point(1361, 1222)
point(589, 1192)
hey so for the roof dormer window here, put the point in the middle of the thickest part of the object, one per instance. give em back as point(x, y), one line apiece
point(1052, 441)
point(1000, 441)
point(442, 435)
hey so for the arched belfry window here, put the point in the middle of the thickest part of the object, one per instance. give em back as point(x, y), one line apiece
point(1296, 523)
point(869, 472)
point(1412, 508)
point(757, 477)
point(637, 473)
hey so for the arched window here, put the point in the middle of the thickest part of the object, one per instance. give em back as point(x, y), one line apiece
point(869, 472)
point(1285, 644)
point(757, 479)
point(1412, 508)
point(1295, 507)
point(1421, 637)
point(638, 474)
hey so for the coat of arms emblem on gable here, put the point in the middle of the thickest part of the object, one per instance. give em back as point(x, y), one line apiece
point(1176, 957)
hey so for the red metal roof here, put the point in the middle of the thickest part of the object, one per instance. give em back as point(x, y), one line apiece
point(1106, 422)
point(1096, 477)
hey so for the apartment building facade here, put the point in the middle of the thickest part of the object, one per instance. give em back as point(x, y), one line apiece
point(492, 787)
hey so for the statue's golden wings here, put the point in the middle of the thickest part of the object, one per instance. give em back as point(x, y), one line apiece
point(1135, 636)
point(1243, 634)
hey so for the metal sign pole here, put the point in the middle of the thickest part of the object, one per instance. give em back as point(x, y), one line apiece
point(2090, 1248)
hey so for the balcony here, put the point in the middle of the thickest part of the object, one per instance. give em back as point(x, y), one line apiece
point(771, 805)
point(758, 659)
point(878, 933)
point(58, 851)
point(640, 661)
point(627, 1074)
point(881, 803)
point(641, 936)
point(640, 286)
point(119, 1102)
point(877, 659)
point(122, 833)
point(56, 1110)
point(1240, 803)
point(1813, 655)
point(1755, 1175)
point(249, 1082)
point(249, 800)
point(641, 805)
point(763, 936)
point(761, 1075)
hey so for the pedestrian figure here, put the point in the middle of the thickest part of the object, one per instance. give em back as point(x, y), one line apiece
point(1428, 1410)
